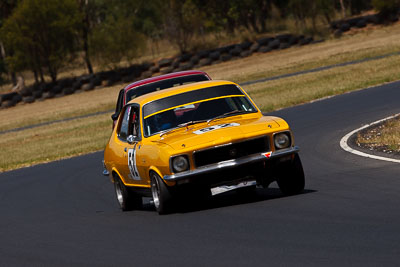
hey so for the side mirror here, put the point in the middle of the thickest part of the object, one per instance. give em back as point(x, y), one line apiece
point(131, 139)
point(114, 116)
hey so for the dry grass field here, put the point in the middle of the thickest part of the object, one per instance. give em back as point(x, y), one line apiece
point(60, 140)
point(384, 137)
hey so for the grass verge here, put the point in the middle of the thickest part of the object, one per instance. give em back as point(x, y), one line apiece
point(384, 137)
point(52, 142)
point(75, 137)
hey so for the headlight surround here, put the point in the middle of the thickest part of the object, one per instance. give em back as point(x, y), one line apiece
point(282, 140)
point(180, 163)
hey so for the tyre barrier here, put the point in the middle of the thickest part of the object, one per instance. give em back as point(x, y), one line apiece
point(184, 57)
point(203, 54)
point(165, 62)
point(264, 49)
point(154, 69)
point(264, 41)
point(245, 45)
point(7, 104)
point(37, 94)
point(226, 57)
point(274, 44)
point(284, 46)
point(306, 41)
point(88, 86)
point(68, 91)
point(205, 62)
point(187, 61)
point(245, 53)
point(166, 70)
point(254, 47)
point(48, 95)
point(7, 96)
point(28, 99)
point(215, 55)
point(284, 38)
point(234, 52)
point(195, 59)
point(340, 26)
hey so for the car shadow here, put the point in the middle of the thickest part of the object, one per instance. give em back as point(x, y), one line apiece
point(236, 197)
point(230, 198)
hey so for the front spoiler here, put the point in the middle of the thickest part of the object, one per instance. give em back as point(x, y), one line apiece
point(231, 164)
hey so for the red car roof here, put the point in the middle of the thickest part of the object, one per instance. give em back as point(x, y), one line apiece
point(164, 77)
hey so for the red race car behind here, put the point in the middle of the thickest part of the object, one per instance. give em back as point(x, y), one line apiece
point(152, 84)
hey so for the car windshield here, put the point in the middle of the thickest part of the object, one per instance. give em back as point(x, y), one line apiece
point(163, 84)
point(192, 107)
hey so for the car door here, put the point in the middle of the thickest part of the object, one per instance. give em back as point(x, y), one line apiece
point(129, 140)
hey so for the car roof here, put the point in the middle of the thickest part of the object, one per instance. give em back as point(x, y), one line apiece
point(164, 77)
point(178, 90)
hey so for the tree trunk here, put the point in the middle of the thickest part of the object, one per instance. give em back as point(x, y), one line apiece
point(253, 22)
point(36, 76)
point(87, 58)
point(343, 9)
point(13, 78)
point(41, 75)
point(85, 35)
point(2, 50)
point(52, 71)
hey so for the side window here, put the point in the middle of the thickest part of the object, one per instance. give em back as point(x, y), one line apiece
point(135, 122)
point(124, 129)
point(130, 123)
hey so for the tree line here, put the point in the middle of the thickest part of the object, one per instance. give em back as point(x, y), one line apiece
point(43, 36)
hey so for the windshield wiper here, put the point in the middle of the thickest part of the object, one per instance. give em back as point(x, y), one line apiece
point(226, 115)
point(186, 124)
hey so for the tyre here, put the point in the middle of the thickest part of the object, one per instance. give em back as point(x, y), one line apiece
point(292, 181)
point(162, 196)
point(166, 70)
point(126, 198)
point(274, 44)
point(265, 49)
point(28, 99)
point(254, 47)
point(205, 62)
point(165, 62)
point(215, 55)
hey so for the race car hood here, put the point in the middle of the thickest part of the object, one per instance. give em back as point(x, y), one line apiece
point(220, 132)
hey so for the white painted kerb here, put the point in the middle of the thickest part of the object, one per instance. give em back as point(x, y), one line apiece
point(345, 146)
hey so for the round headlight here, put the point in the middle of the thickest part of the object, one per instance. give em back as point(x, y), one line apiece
point(282, 140)
point(180, 164)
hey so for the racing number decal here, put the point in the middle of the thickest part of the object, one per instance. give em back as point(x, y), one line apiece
point(134, 174)
point(215, 127)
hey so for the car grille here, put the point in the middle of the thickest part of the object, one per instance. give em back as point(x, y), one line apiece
point(231, 151)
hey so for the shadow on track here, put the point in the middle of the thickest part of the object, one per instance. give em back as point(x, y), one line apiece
point(236, 197)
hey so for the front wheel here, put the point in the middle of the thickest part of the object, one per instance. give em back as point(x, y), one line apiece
point(127, 200)
point(162, 196)
point(292, 180)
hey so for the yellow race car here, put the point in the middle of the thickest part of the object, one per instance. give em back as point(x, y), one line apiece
point(192, 139)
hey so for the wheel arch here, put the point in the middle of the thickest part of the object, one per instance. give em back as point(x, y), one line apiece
point(115, 174)
point(158, 172)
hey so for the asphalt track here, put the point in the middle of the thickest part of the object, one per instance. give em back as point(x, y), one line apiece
point(65, 213)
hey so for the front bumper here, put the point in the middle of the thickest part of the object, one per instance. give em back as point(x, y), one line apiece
point(230, 166)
